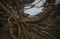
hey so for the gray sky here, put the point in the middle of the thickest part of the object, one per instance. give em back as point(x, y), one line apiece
point(57, 2)
point(35, 10)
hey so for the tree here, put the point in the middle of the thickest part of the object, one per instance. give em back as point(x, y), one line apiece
point(17, 27)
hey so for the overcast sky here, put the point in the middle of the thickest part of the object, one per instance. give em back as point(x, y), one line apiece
point(57, 2)
point(35, 10)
